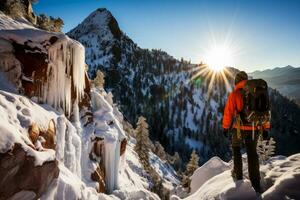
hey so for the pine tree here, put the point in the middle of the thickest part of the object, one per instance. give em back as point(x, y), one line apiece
point(265, 149)
point(190, 168)
point(176, 161)
point(193, 164)
point(142, 143)
point(57, 24)
point(99, 79)
point(159, 150)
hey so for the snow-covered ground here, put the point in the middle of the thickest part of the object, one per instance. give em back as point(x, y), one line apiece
point(280, 180)
point(18, 112)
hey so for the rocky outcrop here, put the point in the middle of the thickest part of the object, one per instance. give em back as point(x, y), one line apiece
point(123, 146)
point(96, 155)
point(19, 173)
point(50, 66)
point(99, 176)
point(47, 137)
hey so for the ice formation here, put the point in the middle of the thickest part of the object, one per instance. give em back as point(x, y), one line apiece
point(107, 126)
point(66, 66)
point(66, 61)
point(68, 148)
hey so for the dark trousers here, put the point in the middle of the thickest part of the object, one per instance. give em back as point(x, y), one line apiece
point(250, 143)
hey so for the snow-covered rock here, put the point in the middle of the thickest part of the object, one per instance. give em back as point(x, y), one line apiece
point(280, 180)
point(47, 65)
point(208, 170)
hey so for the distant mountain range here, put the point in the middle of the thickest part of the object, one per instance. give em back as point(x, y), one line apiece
point(285, 79)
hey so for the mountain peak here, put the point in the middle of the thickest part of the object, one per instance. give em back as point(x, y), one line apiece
point(101, 14)
point(99, 22)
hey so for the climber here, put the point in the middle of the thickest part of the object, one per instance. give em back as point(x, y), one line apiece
point(244, 123)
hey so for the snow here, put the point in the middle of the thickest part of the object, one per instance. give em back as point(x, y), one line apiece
point(19, 112)
point(210, 169)
point(69, 186)
point(280, 180)
point(283, 175)
point(133, 182)
point(165, 170)
point(15, 120)
point(9, 23)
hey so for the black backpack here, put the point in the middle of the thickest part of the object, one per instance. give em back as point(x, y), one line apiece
point(256, 109)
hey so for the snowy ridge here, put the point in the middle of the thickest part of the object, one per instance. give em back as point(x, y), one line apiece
point(280, 180)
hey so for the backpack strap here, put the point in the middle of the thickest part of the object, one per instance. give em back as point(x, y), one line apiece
point(239, 121)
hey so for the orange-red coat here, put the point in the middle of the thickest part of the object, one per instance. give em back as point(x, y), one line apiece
point(233, 106)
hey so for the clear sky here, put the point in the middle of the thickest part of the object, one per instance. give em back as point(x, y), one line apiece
point(262, 33)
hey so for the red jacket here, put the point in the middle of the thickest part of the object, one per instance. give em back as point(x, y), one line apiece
point(233, 106)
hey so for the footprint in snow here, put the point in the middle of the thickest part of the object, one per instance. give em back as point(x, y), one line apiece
point(26, 112)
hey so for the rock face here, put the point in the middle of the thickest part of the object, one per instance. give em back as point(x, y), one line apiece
point(48, 66)
point(48, 136)
point(18, 172)
point(123, 147)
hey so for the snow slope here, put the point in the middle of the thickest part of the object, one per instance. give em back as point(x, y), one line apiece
point(18, 112)
point(280, 180)
point(133, 177)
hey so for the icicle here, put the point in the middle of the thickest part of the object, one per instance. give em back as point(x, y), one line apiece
point(63, 56)
point(78, 68)
point(112, 158)
point(60, 137)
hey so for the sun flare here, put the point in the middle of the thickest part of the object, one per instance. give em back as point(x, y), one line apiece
point(218, 57)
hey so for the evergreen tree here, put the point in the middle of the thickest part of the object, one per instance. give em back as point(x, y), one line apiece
point(177, 161)
point(186, 182)
point(159, 150)
point(57, 24)
point(193, 164)
point(190, 168)
point(265, 149)
point(99, 79)
point(14, 8)
point(142, 143)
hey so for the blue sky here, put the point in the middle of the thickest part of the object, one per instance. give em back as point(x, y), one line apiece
point(262, 33)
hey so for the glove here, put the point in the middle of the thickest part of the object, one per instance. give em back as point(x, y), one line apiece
point(226, 132)
point(265, 135)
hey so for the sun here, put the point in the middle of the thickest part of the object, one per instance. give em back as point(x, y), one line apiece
point(218, 57)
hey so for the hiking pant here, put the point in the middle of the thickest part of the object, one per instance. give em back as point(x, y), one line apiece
point(250, 143)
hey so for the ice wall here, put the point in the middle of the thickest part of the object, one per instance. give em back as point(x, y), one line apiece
point(108, 127)
point(68, 149)
point(66, 66)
